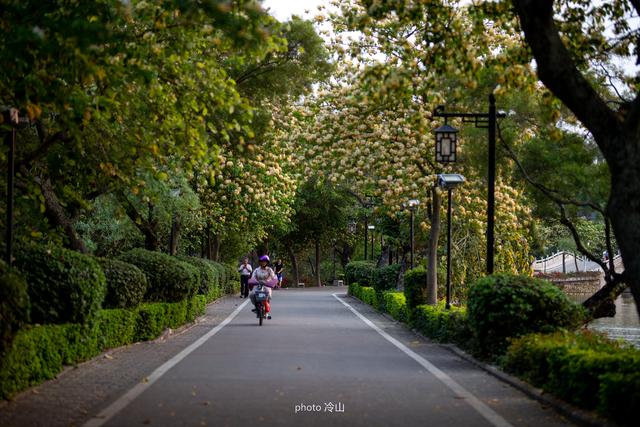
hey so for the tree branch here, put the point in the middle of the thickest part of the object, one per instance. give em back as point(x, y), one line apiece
point(559, 73)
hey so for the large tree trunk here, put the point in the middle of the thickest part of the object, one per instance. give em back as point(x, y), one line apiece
point(294, 265)
point(55, 212)
point(624, 211)
point(208, 243)
point(432, 260)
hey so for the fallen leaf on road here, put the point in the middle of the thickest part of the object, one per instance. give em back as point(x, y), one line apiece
point(193, 393)
point(206, 403)
point(108, 356)
point(145, 380)
point(299, 368)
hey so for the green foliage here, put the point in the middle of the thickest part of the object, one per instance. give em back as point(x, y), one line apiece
point(396, 305)
point(361, 272)
point(386, 278)
point(354, 290)
point(126, 284)
point(440, 324)
point(39, 352)
point(169, 279)
point(64, 286)
point(503, 306)
point(14, 304)
point(369, 296)
point(208, 273)
point(415, 287)
point(619, 396)
point(584, 368)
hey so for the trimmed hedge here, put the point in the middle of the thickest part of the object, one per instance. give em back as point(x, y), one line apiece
point(39, 352)
point(503, 306)
point(415, 287)
point(396, 305)
point(360, 272)
point(64, 286)
point(208, 273)
point(14, 304)
point(126, 284)
point(354, 290)
point(386, 278)
point(369, 296)
point(583, 368)
point(440, 324)
point(169, 279)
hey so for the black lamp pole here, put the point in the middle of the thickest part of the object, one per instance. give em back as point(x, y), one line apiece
point(412, 234)
point(366, 237)
point(448, 305)
point(488, 121)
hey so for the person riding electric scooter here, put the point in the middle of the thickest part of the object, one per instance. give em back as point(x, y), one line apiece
point(263, 274)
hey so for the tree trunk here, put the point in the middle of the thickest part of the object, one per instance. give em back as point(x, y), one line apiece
point(55, 213)
point(624, 211)
point(384, 256)
point(317, 264)
point(215, 247)
point(208, 243)
point(175, 236)
point(434, 233)
point(294, 265)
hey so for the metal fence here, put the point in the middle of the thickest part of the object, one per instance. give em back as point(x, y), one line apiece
point(567, 262)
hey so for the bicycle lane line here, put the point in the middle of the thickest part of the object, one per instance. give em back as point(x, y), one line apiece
point(489, 414)
point(123, 401)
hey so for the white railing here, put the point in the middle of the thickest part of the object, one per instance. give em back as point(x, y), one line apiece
point(567, 262)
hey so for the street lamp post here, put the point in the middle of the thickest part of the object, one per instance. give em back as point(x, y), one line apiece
point(449, 182)
point(371, 227)
point(447, 136)
point(412, 204)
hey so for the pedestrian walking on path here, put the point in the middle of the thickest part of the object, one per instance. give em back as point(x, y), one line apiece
point(245, 270)
point(278, 266)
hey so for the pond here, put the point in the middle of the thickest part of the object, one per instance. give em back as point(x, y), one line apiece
point(625, 325)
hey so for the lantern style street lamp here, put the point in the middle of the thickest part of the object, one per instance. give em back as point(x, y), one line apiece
point(445, 136)
point(446, 142)
point(449, 181)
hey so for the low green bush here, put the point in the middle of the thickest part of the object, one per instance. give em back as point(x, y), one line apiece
point(369, 296)
point(14, 304)
point(503, 306)
point(619, 397)
point(583, 368)
point(63, 285)
point(169, 279)
point(223, 278)
point(386, 278)
point(396, 305)
point(208, 273)
point(126, 283)
point(415, 287)
point(39, 352)
point(440, 324)
point(360, 272)
point(354, 290)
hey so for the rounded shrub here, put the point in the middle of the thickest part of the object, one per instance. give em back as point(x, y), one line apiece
point(361, 272)
point(223, 279)
point(64, 286)
point(14, 305)
point(386, 278)
point(169, 279)
point(208, 273)
point(126, 284)
point(415, 287)
point(503, 306)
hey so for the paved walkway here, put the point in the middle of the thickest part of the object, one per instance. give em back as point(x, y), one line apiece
point(323, 359)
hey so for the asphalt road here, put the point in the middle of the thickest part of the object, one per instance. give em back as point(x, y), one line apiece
point(318, 363)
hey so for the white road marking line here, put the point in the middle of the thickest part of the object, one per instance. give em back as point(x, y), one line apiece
point(488, 413)
point(124, 400)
